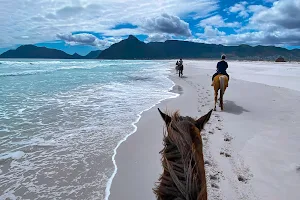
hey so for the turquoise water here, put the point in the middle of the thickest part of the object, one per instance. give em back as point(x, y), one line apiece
point(61, 119)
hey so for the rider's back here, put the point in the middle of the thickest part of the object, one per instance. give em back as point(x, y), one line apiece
point(222, 66)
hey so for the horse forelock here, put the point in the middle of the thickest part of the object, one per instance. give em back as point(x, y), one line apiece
point(181, 177)
point(183, 124)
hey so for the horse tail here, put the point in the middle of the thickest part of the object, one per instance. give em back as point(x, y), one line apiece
point(222, 90)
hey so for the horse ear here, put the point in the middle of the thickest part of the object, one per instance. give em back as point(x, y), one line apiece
point(165, 117)
point(202, 120)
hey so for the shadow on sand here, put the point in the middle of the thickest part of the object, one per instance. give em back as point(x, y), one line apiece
point(183, 77)
point(177, 89)
point(231, 107)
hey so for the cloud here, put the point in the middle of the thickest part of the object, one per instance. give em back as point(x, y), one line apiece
point(268, 1)
point(285, 14)
point(217, 21)
point(83, 38)
point(210, 36)
point(39, 21)
point(158, 37)
point(211, 32)
point(167, 24)
point(256, 8)
point(240, 9)
point(278, 25)
point(42, 20)
point(87, 39)
point(122, 32)
point(278, 38)
point(69, 11)
point(261, 37)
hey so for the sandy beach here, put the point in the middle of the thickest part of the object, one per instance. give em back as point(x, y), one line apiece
point(259, 129)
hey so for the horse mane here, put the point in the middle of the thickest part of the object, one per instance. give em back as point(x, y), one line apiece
point(183, 177)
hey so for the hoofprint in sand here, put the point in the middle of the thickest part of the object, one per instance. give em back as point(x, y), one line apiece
point(251, 149)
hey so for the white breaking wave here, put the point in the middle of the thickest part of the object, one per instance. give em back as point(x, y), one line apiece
point(13, 155)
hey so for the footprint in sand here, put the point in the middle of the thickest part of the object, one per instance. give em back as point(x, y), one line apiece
point(214, 177)
point(225, 154)
point(242, 178)
point(207, 163)
point(218, 128)
point(214, 185)
point(211, 132)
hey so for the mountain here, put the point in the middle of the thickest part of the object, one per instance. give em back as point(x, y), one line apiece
point(93, 54)
point(132, 48)
point(77, 56)
point(31, 51)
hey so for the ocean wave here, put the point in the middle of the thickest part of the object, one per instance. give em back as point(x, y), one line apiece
point(140, 78)
point(76, 67)
point(71, 128)
point(11, 62)
point(26, 73)
point(11, 155)
point(37, 72)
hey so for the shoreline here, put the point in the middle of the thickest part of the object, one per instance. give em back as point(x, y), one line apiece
point(247, 130)
point(127, 162)
point(139, 116)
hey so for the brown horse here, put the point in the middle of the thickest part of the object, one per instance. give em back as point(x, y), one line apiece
point(220, 83)
point(183, 177)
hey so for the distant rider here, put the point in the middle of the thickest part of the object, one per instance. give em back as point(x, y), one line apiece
point(221, 68)
point(180, 66)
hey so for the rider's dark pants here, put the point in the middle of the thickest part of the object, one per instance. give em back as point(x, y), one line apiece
point(219, 73)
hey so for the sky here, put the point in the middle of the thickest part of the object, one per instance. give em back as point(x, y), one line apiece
point(84, 25)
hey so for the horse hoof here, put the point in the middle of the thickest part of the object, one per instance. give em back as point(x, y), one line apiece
point(215, 109)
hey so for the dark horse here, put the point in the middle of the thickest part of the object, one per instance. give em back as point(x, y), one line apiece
point(180, 70)
point(183, 177)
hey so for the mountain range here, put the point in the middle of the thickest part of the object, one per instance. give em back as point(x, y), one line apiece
point(32, 51)
point(132, 48)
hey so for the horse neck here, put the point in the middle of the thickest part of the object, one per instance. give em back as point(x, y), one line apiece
point(198, 147)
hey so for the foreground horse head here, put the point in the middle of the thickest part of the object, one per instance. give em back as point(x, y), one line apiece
point(220, 82)
point(183, 177)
